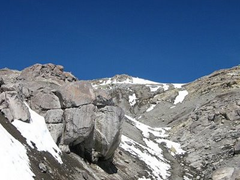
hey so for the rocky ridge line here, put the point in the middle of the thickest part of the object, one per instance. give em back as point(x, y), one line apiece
point(79, 118)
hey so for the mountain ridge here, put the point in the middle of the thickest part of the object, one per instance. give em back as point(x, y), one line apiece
point(104, 126)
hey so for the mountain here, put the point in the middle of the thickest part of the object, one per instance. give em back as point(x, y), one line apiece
point(54, 126)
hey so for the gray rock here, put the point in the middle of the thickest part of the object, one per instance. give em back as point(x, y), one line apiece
point(42, 167)
point(79, 123)
point(237, 174)
point(102, 98)
point(76, 94)
point(107, 130)
point(44, 100)
point(223, 174)
point(9, 76)
point(42, 72)
point(54, 116)
point(56, 131)
point(237, 148)
point(233, 115)
point(64, 148)
point(13, 107)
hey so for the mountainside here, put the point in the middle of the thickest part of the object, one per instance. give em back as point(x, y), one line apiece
point(54, 126)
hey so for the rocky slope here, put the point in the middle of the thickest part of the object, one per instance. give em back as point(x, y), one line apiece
point(120, 127)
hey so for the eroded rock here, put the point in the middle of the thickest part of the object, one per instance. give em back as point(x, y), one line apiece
point(223, 174)
point(107, 138)
point(76, 94)
point(79, 123)
point(13, 107)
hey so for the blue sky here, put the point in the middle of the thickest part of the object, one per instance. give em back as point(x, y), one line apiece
point(160, 40)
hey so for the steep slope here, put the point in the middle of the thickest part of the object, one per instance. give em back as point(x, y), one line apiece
point(145, 134)
point(203, 117)
point(119, 128)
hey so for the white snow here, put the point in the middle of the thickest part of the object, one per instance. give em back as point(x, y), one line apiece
point(36, 133)
point(151, 154)
point(15, 163)
point(147, 130)
point(181, 96)
point(159, 168)
point(153, 88)
point(174, 147)
point(151, 107)
point(132, 80)
point(144, 178)
point(165, 87)
point(186, 178)
point(142, 81)
point(177, 85)
point(132, 99)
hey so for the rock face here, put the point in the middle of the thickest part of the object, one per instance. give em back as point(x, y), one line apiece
point(13, 107)
point(205, 123)
point(79, 124)
point(76, 94)
point(185, 131)
point(70, 108)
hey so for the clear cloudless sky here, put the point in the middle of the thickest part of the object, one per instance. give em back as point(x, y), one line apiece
point(159, 40)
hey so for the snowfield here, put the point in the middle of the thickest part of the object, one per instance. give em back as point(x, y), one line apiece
point(15, 163)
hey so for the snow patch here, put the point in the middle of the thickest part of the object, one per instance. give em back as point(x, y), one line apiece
point(142, 81)
point(132, 80)
point(132, 99)
point(151, 154)
point(177, 85)
point(165, 87)
point(36, 133)
point(181, 96)
point(174, 147)
point(144, 178)
point(153, 88)
point(151, 107)
point(147, 130)
point(15, 163)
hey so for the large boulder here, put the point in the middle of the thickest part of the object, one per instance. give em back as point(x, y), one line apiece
point(54, 116)
point(76, 94)
point(13, 107)
point(79, 124)
point(107, 131)
point(56, 131)
point(101, 143)
point(43, 100)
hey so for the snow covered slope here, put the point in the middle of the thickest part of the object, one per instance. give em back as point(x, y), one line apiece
point(37, 134)
point(14, 161)
point(141, 99)
point(151, 153)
